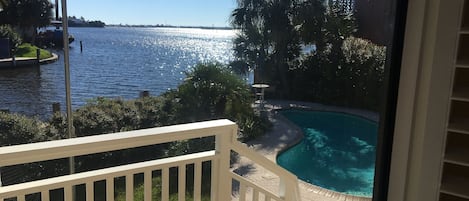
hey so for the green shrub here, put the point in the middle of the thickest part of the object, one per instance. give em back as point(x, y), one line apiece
point(353, 79)
point(17, 129)
point(14, 38)
point(253, 127)
point(101, 115)
point(364, 68)
point(211, 91)
point(154, 112)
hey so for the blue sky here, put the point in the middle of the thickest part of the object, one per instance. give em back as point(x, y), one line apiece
point(150, 12)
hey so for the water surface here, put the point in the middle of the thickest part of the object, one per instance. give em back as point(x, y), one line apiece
point(116, 62)
point(337, 152)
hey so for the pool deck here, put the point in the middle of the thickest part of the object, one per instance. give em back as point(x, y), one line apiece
point(283, 135)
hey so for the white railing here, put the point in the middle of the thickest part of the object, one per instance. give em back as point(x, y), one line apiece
point(225, 133)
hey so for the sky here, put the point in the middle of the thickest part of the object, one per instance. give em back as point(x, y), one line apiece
point(151, 12)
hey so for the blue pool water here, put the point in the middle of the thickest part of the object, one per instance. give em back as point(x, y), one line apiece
point(337, 151)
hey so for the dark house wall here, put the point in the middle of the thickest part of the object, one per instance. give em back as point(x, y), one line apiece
point(4, 48)
point(373, 20)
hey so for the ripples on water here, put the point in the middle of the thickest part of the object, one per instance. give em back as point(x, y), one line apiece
point(116, 62)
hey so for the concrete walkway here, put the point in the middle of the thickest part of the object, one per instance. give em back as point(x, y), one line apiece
point(285, 134)
point(26, 61)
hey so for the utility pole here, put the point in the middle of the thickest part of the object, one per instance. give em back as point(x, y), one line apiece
point(71, 129)
point(56, 9)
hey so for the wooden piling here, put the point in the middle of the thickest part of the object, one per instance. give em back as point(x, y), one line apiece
point(144, 94)
point(55, 108)
point(81, 46)
point(38, 56)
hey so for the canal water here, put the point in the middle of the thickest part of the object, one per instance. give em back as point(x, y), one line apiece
point(115, 62)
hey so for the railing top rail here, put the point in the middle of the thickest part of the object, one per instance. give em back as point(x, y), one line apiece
point(27, 153)
point(243, 150)
point(96, 175)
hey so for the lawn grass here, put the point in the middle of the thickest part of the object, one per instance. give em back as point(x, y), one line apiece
point(28, 50)
point(156, 192)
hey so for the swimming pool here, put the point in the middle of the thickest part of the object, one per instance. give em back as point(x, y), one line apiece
point(337, 151)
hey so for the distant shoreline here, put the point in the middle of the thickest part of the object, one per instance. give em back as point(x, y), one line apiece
point(168, 26)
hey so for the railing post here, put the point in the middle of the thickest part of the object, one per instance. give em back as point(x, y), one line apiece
point(287, 189)
point(223, 148)
point(283, 188)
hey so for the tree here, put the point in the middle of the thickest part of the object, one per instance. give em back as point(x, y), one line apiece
point(333, 68)
point(210, 92)
point(310, 18)
point(27, 16)
point(13, 38)
point(268, 41)
point(3, 4)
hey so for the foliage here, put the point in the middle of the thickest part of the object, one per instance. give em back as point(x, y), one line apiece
point(268, 41)
point(310, 20)
point(14, 39)
point(28, 50)
point(333, 68)
point(252, 127)
point(154, 112)
point(355, 80)
point(81, 22)
point(103, 115)
point(18, 129)
point(3, 3)
point(365, 64)
point(28, 15)
point(210, 92)
point(272, 31)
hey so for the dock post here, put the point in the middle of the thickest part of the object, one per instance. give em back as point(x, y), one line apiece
point(13, 59)
point(144, 94)
point(38, 56)
point(55, 108)
point(81, 46)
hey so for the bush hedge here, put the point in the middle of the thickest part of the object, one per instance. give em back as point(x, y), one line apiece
point(352, 78)
point(14, 38)
point(18, 129)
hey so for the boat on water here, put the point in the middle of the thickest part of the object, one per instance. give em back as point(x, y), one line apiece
point(48, 37)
